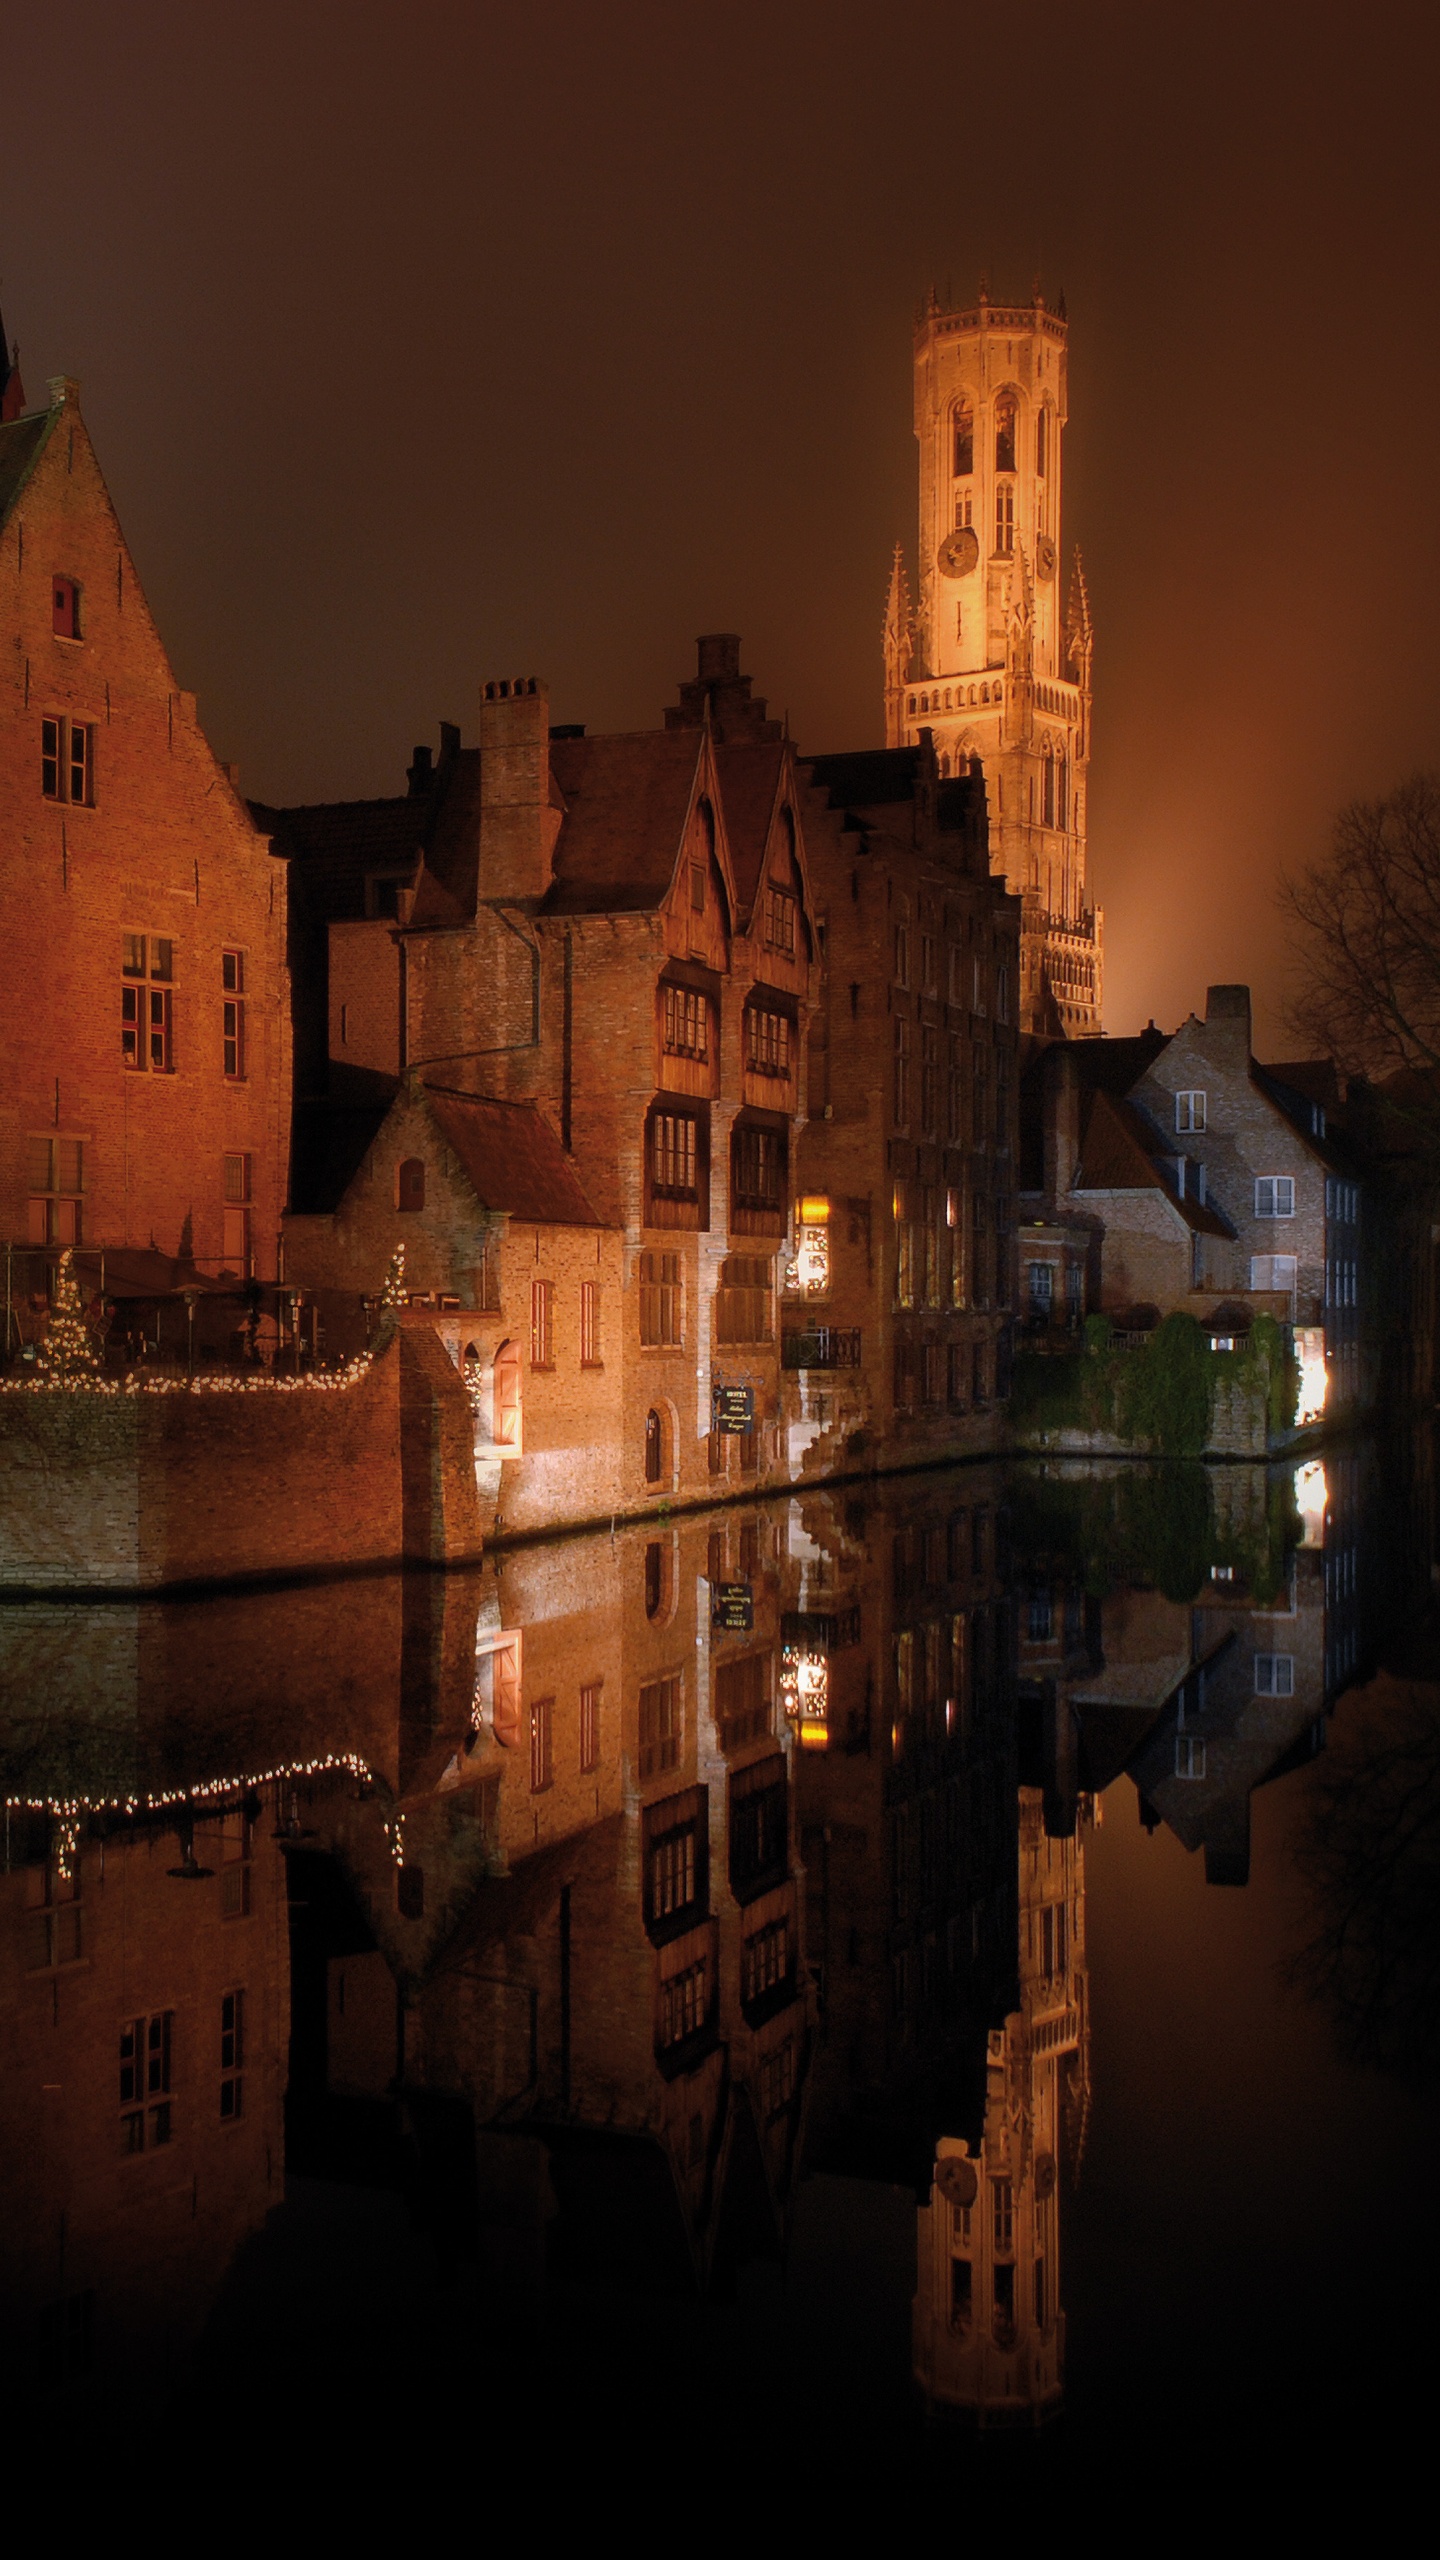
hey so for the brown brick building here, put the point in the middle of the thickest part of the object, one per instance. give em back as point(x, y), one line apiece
point(147, 1095)
point(616, 932)
point(900, 1298)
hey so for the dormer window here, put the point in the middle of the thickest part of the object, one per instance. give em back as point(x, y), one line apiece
point(780, 920)
point(65, 609)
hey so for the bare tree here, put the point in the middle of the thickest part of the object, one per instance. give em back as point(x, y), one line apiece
point(1368, 945)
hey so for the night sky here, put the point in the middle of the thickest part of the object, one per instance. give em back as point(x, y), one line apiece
point(427, 344)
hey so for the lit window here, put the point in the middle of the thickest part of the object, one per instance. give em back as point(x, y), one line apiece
point(1274, 1195)
point(687, 1023)
point(1189, 1113)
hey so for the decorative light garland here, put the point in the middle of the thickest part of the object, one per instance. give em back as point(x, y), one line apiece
point(314, 1382)
point(68, 1808)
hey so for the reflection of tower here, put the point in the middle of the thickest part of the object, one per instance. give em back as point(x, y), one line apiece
point(989, 2331)
point(987, 660)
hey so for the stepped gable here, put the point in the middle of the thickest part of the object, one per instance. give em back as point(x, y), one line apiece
point(511, 1158)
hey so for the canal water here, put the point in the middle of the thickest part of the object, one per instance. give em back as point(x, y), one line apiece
point(944, 1969)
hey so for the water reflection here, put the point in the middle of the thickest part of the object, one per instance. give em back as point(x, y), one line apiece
point(620, 1903)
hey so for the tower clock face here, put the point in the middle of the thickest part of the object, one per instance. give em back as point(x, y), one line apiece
point(1045, 556)
point(958, 553)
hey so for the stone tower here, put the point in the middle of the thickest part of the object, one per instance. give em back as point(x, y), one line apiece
point(984, 658)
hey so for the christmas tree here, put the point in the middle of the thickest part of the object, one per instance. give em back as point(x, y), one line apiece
point(67, 1354)
point(393, 1293)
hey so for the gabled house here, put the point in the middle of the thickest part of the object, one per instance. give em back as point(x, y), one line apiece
point(618, 933)
point(1180, 1173)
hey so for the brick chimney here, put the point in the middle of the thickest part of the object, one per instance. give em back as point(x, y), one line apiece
point(1227, 1028)
point(1062, 1122)
point(517, 824)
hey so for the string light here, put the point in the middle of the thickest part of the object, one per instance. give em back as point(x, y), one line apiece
point(208, 1791)
point(313, 1382)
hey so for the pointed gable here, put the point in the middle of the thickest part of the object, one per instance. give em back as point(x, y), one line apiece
point(627, 801)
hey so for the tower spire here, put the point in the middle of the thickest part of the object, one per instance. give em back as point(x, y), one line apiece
point(899, 642)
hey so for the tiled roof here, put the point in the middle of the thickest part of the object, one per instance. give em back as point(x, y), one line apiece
point(20, 445)
point(1114, 1156)
point(626, 802)
point(749, 788)
point(511, 1158)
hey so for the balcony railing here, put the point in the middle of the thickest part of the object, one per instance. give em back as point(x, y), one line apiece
point(825, 1346)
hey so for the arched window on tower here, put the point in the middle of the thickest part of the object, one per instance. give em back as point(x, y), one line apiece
point(1062, 789)
point(964, 440)
point(1047, 787)
point(1042, 444)
point(1005, 433)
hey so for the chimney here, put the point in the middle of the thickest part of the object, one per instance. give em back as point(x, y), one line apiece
point(1227, 1027)
point(517, 824)
point(420, 773)
point(719, 657)
point(1061, 1106)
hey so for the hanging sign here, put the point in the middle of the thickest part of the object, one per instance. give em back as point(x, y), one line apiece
point(734, 1408)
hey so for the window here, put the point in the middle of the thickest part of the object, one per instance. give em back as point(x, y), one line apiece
point(53, 1923)
point(929, 1081)
point(145, 2080)
point(905, 1264)
point(964, 452)
point(1002, 2209)
point(767, 1042)
point(542, 1346)
point(1047, 789)
point(1274, 1675)
point(955, 1096)
point(507, 1404)
point(232, 1012)
point(590, 1324)
point(590, 1696)
point(65, 609)
point(1042, 443)
point(67, 761)
point(902, 955)
point(410, 1185)
point(672, 1873)
point(1005, 433)
point(742, 1700)
point(674, 1154)
point(1189, 1756)
point(697, 887)
point(902, 1072)
point(1002, 993)
point(1040, 1283)
point(743, 1299)
point(56, 1179)
point(661, 1301)
point(684, 2004)
point(237, 1841)
point(1274, 1195)
point(757, 1167)
point(235, 1214)
point(1189, 1113)
point(687, 1023)
point(962, 2293)
point(777, 2080)
point(147, 968)
point(780, 919)
point(542, 1745)
point(659, 1726)
point(765, 1960)
point(1005, 517)
point(759, 1845)
point(1273, 1270)
point(1062, 789)
point(232, 2056)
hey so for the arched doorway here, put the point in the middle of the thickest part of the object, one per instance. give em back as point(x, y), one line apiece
point(507, 1396)
point(654, 1448)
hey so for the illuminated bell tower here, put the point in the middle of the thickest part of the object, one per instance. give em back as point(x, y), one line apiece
point(986, 659)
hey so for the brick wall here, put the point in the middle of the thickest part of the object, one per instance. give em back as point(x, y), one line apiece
point(167, 850)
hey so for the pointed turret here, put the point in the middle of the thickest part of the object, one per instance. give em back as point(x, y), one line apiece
point(12, 389)
point(899, 643)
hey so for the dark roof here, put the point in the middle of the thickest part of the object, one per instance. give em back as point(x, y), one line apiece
point(511, 1158)
point(1115, 1156)
point(870, 778)
point(1113, 1066)
point(749, 788)
point(335, 843)
point(20, 447)
point(626, 802)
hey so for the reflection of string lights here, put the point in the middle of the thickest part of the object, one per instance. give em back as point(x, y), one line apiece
point(314, 1382)
point(805, 1695)
point(395, 1834)
point(209, 1791)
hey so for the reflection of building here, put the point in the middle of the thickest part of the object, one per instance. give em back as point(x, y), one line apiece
point(990, 663)
point(989, 2328)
